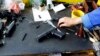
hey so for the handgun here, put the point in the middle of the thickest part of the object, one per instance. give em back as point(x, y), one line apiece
point(52, 32)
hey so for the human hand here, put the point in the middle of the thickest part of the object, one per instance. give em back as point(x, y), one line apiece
point(65, 22)
point(68, 22)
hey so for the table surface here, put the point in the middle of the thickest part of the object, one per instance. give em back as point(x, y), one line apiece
point(15, 46)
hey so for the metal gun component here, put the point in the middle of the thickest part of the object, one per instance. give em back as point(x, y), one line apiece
point(9, 27)
point(50, 23)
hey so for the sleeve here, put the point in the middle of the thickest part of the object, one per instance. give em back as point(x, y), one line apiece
point(91, 19)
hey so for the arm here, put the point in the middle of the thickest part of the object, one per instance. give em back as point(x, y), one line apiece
point(91, 19)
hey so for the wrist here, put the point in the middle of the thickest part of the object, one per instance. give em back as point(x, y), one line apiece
point(77, 21)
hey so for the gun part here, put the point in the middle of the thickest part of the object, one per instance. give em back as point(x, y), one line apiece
point(50, 23)
point(24, 36)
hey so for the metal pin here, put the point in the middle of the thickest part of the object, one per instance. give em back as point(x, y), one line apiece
point(24, 36)
point(50, 23)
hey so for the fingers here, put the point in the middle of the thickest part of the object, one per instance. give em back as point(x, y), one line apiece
point(62, 25)
point(61, 21)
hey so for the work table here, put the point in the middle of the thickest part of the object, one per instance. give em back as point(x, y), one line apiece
point(15, 46)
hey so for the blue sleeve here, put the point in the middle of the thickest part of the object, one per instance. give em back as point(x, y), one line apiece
point(91, 19)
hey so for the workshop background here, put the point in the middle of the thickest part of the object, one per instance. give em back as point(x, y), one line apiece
point(72, 4)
